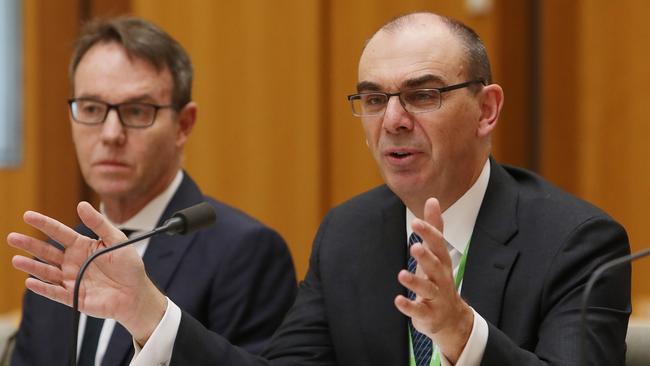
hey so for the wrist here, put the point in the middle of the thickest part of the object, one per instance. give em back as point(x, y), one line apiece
point(149, 309)
point(453, 339)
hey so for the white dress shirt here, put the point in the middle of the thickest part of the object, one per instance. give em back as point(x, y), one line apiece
point(459, 221)
point(145, 220)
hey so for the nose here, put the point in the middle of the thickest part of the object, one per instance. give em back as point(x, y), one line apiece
point(396, 118)
point(113, 132)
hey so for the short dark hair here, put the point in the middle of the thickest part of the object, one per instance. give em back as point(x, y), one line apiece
point(478, 63)
point(140, 39)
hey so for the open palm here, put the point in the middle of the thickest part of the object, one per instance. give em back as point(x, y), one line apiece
point(111, 282)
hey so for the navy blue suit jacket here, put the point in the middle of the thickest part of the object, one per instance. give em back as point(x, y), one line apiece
point(532, 251)
point(235, 277)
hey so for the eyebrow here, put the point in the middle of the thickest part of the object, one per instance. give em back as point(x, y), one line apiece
point(364, 86)
point(421, 80)
point(369, 86)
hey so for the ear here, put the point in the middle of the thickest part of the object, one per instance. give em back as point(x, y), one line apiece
point(491, 102)
point(186, 121)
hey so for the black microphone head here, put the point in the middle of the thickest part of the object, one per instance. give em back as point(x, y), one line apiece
point(190, 219)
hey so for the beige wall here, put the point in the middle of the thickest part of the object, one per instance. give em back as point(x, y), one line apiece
point(275, 136)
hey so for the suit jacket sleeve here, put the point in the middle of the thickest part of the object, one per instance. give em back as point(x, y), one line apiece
point(303, 337)
point(557, 338)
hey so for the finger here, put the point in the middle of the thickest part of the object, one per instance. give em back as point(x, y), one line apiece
point(52, 292)
point(38, 248)
point(402, 304)
point(412, 309)
point(433, 240)
point(99, 224)
point(422, 287)
point(51, 227)
point(42, 271)
point(429, 265)
point(432, 213)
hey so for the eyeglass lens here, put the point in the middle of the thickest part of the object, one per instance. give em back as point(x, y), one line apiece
point(131, 114)
point(414, 101)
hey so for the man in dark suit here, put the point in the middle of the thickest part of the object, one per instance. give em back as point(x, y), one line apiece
point(131, 115)
point(496, 258)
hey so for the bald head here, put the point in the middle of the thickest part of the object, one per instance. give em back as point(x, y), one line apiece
point(475, 55)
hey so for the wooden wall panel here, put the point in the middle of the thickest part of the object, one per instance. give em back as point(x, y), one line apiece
point(614, 122)
point(47, 180)
point(560, 63)
point(595, 116)
point(275, 136)
point(58, 176)
point(510, 46)
point(104, 8)
point(257, 143)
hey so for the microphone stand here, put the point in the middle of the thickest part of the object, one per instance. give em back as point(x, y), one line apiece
point(590, 284)
point(82, 270)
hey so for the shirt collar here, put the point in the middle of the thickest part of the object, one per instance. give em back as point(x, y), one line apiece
point(147, 218)
point(460, 217)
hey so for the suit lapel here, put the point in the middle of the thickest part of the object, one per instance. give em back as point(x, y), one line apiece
point(490, 260)
point(164, 254)
point(384, 254)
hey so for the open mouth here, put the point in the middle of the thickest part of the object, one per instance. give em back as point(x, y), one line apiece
point(400, 154)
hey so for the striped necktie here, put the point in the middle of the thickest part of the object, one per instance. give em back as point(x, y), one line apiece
point(422, 345)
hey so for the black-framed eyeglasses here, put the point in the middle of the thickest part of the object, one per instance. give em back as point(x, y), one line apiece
point(93, 112)
point(412, 100)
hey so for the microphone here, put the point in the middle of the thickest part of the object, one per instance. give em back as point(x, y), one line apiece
point(181, 222)
point(190, 219)
point(587, 291)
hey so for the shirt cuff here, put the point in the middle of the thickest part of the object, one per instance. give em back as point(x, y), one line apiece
point(159, 347)
point(473, 352)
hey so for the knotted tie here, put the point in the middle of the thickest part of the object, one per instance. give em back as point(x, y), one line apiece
point(91, 334)
point(422, 345)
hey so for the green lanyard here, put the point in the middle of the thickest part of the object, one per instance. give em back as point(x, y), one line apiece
point(458, 279)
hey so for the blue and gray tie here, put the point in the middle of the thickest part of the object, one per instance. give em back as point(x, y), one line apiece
point(422, 345)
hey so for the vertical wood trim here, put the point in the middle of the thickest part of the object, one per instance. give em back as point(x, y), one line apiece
point(511, 65)
point(560, 62)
